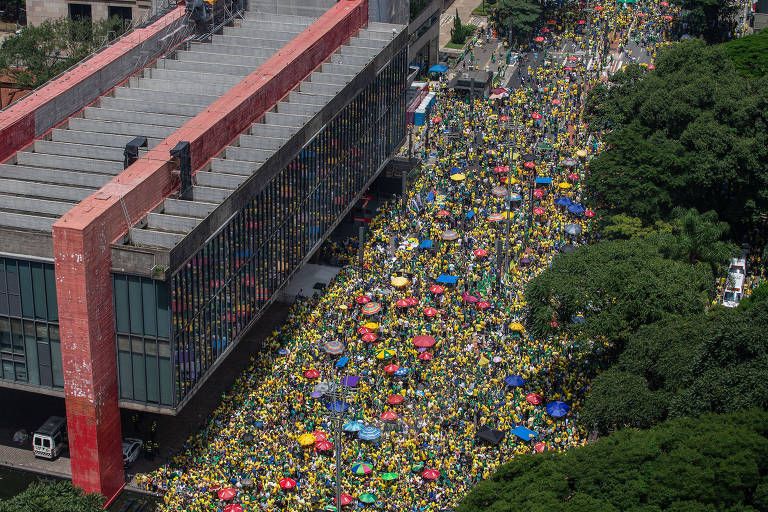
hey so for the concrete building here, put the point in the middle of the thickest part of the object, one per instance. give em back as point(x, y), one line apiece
point(155, 199)
point(423, 20)
point(41, 10)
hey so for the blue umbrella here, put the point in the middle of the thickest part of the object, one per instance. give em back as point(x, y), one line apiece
point(401, 372)
point(523, 433)
point(337, 406)
point(576, 209)
point(342, 362)
point(438, 68)
point(515, 197)
point(514, 381)
point(283, 351)
point(353, 426)
point(425, 244)
point(578, 319)
point(350, 381)
point(430, 197)
point(447, 279)
point(455, 170)
point(470, 214)
point(557, 409)
point(563, 201)
point(369, 433)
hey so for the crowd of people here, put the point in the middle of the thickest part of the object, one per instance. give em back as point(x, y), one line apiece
point(419, 362)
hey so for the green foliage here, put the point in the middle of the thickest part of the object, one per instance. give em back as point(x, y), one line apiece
point(712, 19)
point(693, 134)
point(712, 463)
point(715, 362)
point(617, 286)
point(460, 31)
point(624, 227)
point(59, 496)
point(759, 294)
point(698, 238)
point(750, 54)
point(41, 52)
point(516, 18)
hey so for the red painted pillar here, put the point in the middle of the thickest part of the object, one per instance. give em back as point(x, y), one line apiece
point(86, 326)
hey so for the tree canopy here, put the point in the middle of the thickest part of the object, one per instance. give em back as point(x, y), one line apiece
point(39, 53)
point(517, 18)
point(59, 496)
point(715, 362)
point(750, 54)
point(707, 464)
point(616, 286)
point(692, 134)
point(712, 19)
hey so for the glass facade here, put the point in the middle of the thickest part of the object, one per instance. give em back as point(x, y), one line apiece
point(30, 350)
point(221, 288)
point(143, 327)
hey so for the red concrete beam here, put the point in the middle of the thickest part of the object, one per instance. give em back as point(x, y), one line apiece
point(82, 239)
point(18, 122)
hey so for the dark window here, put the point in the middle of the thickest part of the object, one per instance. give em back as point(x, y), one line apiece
point(80, 12)
point(125, 14)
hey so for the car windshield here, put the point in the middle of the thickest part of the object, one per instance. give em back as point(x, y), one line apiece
point(729, 297)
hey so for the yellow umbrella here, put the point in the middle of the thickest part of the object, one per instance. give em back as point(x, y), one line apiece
point(373, 326)
point(564, 185)
point(385, 353)
point(306, 439)
point(515, 156)
point(483, 361)
point(517, 327)
point(512, 180)
point(581, 153)
point(399, 282)
point(343, 307)
point(458, 177)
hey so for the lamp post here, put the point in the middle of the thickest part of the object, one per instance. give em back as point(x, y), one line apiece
point(337, 418)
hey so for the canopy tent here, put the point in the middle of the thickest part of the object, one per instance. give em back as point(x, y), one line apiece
point(447, 279)
point(543, 180)
point(439, 68)
point(489, 435)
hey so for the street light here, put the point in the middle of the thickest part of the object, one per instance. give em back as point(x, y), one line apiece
point(337, 418)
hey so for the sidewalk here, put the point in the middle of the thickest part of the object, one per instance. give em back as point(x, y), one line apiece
point(465, 8)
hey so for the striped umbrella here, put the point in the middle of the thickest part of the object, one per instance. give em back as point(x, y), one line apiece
point(371, 308)
point(361, 468)
point(369, 433)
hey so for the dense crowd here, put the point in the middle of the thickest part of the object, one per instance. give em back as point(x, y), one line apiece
point(425, 347)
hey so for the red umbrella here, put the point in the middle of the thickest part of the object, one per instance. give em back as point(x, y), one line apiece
point(573, 176)
point(582, 22)
point(483, 305)
point(589, 214)
point(389, 416)
point(668, 18)
point(430, 474)
point(536, 116)
point(402, 303)
point(529, 165)
point(391, 368)
point(599, 8)
point(551, 22)
point(430, 312)
point(573, 58)
point(425, 356)
point(311, 374)
point(323, 446)
point(346, 499)
point(504, 118)
point(554, 324)
point(443, 213)
point(412, 301)
point(370, 338)
point(480, 253)
point(555, 101)
point(362, 299)
point(545, 30)
point(320, 435)
point(435, 120)
point(363, 330)
point(539, 447)
point(538, 193)
point(470, 299)
point(533, 398)
point(436, 289)
point(567, 68)
point(233, 507)
point(227, 493)
point(651, 67)
point(538, 39)
point(424, 341)
point(287, 484)
point(395, 399)
point(501, 169)
point(538, 210)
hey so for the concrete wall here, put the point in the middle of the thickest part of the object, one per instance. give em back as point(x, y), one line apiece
point(390, 11)
point(40, 10)
point(82, 241)
point(53, 103)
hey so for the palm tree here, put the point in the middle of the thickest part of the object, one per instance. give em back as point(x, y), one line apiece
point(698, 238)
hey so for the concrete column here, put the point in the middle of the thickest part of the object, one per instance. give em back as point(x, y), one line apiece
point(86, 325)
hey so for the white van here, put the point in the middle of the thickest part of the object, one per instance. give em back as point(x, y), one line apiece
point(51, 438)
point(734, 283)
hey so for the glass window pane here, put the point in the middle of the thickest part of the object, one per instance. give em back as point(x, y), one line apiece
point(122, 317)
point(134, 304)
point(149, 309)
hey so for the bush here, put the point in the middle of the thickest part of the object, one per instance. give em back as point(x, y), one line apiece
point(59, 496)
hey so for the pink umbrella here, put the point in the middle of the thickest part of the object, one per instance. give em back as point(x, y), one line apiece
point(227, 493)
point(233, 507)
point(536, 116)
point(311, 374)
point(430, 312)
point(402, 303)
point(538, 193)
point(555, 101)
point(424, 341)
point(573, 176)
point(425, 356)
point(539, 447)
point(538, 210)
point(480, 253)
point(582, 22)
point(589, 214)
point(436, 289)
point(430, 474)
point(363, 330)
point(533, 398)
point(470, 299)
point(529, 165)
point(370, 337)
point(443, 213)
point(483, 305)
point(538, 39)
point(362, 299)
point(395, 399)
point(412, 301)
point(320, 435)
point(323, 446)
point(389, 416)
point(501, 169)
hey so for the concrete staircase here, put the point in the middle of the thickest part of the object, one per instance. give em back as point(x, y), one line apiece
point(212, 185)
point(43, 181)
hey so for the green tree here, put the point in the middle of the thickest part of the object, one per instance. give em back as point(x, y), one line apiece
point(712, 19)
point(39, 53)
point(516, 18)
point(459, 32)
point(708, 464)
point(616, 286)
point(692, 134)
point(59, 496)
point(750, 54)
point(697, 237)
point(624, 227)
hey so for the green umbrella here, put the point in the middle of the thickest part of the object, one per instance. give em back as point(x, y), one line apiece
point(367, 498)
point(417, 467)
point(387, 477)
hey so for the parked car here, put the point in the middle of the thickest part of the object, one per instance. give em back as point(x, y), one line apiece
point(50, 439)
point(131, 450)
